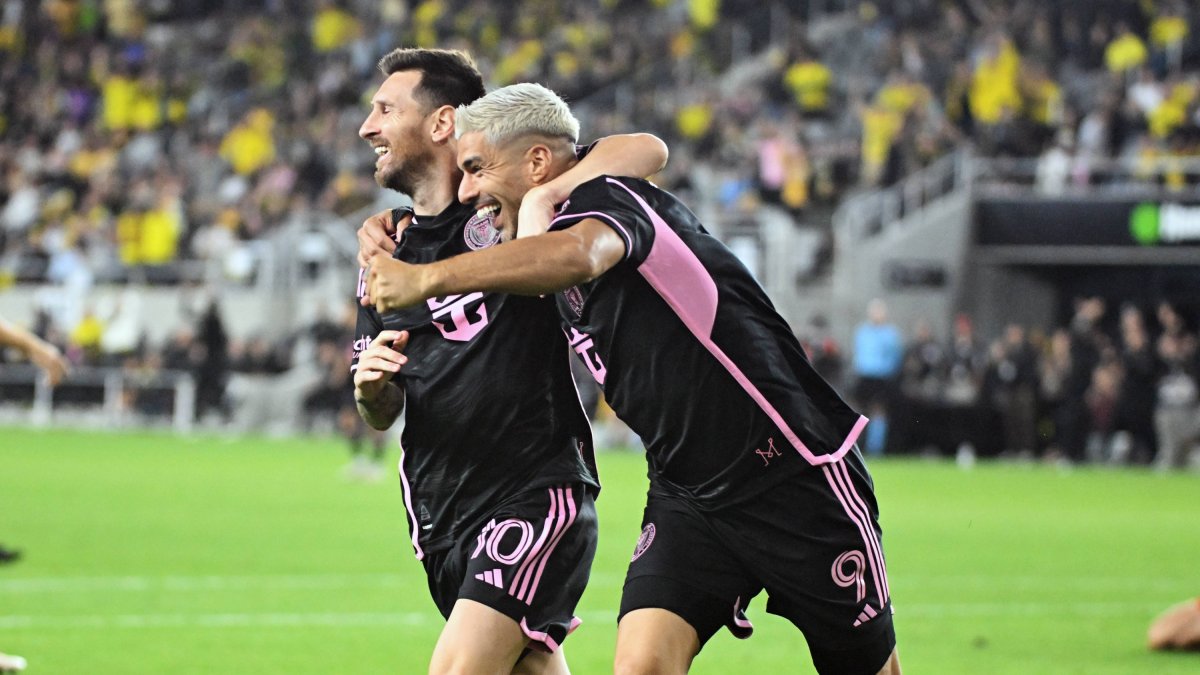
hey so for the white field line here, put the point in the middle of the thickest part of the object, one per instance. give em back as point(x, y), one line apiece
point(391, 619)
point(321, 582)
point(134, 584)
point(223, 620)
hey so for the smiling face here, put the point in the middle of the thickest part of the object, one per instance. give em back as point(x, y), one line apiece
point(398, 128)
point(495, 179)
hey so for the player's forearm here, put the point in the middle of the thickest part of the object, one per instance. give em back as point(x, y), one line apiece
point(381, 410)
point(634, 155)
point(17, 337)
point(532, 266)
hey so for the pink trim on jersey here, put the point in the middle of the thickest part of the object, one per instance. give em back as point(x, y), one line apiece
point(674, 271)
point(578, 393)
point(855, 432)
point(362, 283)
point(839, 481)
point(412, 516)
point(600, 214)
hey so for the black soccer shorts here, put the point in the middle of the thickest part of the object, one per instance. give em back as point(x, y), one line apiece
point(529, 560)
point(812, 543)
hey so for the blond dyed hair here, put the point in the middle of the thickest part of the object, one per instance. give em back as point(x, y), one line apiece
point(517, 110)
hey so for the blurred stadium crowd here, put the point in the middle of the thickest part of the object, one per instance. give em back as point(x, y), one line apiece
point(1114, 385)
point(139, 135)
point(159, 140)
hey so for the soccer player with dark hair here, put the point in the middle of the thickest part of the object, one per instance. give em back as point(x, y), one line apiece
point(498, 471)
point(755, 479)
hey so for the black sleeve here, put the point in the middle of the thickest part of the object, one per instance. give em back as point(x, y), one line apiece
point(616, 202)
point(366, 327)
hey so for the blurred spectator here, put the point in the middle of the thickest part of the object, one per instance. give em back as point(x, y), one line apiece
point(878, 351)
point(333, 27)
point(966, 362)
point(85, 337)
point(1168, 32)
point(994, 93)
point(809, 81)
point(823, 351)
point(783, 168)
point(1177, 411)
point(212, 367)
point(1177, 405)
point(124, 332)
point(1078, 416)
point(259, 356)
point(923, 371)
point(1010, 387)
point(1054, 167)
point(249, 146)
point(1101, 399)
point(1126, 53)
point(1140, 372)
point(1054, 372)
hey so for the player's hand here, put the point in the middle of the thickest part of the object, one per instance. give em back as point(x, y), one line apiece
point(392, 284)
point(538, 208)
point(378, 234)
point(379, 363)
point(47, 357)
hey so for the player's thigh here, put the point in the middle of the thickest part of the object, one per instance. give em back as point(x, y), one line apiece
point(654, 641)
point(816, 544)
point(542, 663)
point(680, 566)
point(478, 640)
point(532, 559)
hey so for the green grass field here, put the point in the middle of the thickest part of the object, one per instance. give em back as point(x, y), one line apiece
point(152, 553)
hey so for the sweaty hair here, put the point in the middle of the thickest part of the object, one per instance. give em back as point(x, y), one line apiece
point(516, 110)
point(448, 76)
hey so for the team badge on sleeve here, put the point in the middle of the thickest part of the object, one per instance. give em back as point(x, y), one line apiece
point(644, 541)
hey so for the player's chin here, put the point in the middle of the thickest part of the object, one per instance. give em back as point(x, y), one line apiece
point(508, 230)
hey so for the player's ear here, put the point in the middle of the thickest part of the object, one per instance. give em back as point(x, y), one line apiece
point(538, 159)
point(443, 124)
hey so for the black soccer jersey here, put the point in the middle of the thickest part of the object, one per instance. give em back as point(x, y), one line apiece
point(692, 354)
point(491, 409)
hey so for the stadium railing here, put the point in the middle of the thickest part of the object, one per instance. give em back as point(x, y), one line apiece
point(113, 396)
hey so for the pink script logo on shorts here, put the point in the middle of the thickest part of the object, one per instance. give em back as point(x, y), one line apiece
point(644, 541)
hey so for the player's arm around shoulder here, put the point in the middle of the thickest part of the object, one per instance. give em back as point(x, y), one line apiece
point(634, 155)
point(537, 265)
point(379, 399)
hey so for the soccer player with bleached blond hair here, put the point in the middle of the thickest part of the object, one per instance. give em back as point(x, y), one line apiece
point(756, 481)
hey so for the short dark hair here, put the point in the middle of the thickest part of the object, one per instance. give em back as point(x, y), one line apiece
point(448, 76)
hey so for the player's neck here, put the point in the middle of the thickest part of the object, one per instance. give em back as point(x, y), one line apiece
point(437, 189)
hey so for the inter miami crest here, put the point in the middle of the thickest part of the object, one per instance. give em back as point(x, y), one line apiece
point(644, 541)
point(480, 232)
